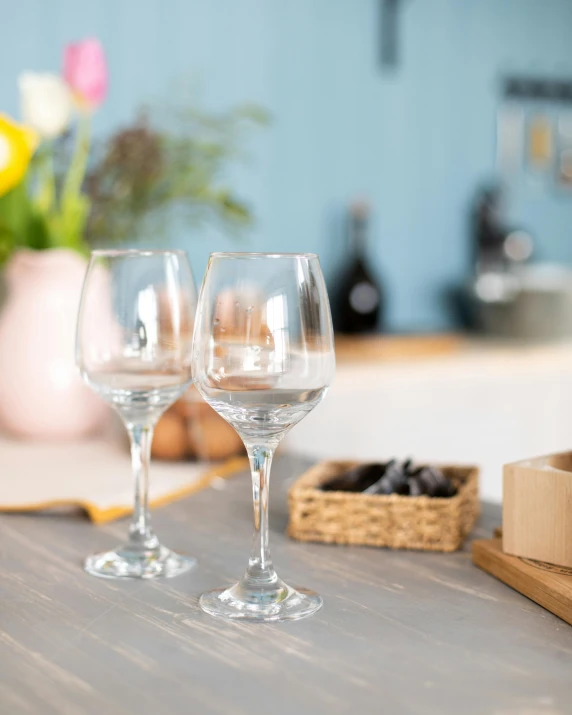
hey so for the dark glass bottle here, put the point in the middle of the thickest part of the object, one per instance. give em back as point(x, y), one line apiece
point(360, 294)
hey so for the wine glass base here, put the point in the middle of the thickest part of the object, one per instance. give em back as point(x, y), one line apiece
point(294, 604)
point(127, 562)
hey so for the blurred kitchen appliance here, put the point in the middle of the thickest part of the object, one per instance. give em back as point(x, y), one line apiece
point(497, 247)
point(508, 297)
point(534, 303)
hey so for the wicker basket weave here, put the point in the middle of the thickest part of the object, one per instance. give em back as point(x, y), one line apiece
point(398, 522)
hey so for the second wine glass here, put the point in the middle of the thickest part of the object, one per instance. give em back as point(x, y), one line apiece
point(263, 357)
point(134, 339)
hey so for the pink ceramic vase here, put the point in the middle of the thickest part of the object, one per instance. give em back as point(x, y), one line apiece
point(41, 392)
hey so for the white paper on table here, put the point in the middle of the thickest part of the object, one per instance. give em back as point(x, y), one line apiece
point(94, 475)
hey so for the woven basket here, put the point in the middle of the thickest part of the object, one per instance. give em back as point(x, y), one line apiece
point(398, 522)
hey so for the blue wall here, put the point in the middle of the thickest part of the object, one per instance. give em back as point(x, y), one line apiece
point(416, 141)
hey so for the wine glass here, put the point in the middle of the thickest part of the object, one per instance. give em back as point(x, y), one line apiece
point(134, 340)
point(263, 357)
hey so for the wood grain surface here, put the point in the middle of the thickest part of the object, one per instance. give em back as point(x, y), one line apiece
point(537, 494)
point(548, 585)
point(399, 633)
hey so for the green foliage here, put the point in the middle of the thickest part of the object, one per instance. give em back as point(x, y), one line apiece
point(177, 163)
point(21, 224)
point(48, 209)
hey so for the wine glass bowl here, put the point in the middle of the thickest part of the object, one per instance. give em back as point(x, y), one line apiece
point(263, 358)
point(133, 347)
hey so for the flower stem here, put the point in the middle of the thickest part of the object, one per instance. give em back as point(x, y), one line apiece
point(47, 192)
point(73, 206)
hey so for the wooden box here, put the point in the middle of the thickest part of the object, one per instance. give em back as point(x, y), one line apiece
point(537, 509)
point(398, 522)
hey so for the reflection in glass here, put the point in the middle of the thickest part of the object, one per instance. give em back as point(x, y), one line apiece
point(263, 357)
point(134, 338)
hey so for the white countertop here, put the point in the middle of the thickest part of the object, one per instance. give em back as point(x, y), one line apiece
point(486, 404)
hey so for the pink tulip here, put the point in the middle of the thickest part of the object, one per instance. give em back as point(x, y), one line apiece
point(85, 71)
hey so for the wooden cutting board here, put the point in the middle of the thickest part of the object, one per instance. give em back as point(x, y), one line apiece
point(549, 586)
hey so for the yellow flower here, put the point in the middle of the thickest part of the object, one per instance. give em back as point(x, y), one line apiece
point(17, 144)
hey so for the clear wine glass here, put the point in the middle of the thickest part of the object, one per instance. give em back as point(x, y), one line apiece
point(134, 340)
point(263, 357)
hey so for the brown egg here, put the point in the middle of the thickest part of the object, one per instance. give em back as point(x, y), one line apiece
point(212, 438)
point(170, 438)
point(191, 409)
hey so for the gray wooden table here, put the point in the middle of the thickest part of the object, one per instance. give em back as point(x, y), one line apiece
point(399, 632)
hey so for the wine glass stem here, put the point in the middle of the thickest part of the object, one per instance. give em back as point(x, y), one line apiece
point(260, 563)
point(141, 535)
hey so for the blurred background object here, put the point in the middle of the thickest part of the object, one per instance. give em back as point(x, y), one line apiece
point(42, 226)
point(358, 298)
point(417, 137)
point(191, 429)
point(57, 201)
point(454, 119)
point(171, 163)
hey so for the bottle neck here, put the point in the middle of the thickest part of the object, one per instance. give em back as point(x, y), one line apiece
point(358, 236)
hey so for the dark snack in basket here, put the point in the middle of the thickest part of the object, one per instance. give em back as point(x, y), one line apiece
point(393, 481)
point(447, 490)
point(435, 483)
point(415, 487)
point(357, 479)
point(382, 486)
point(394, 478)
